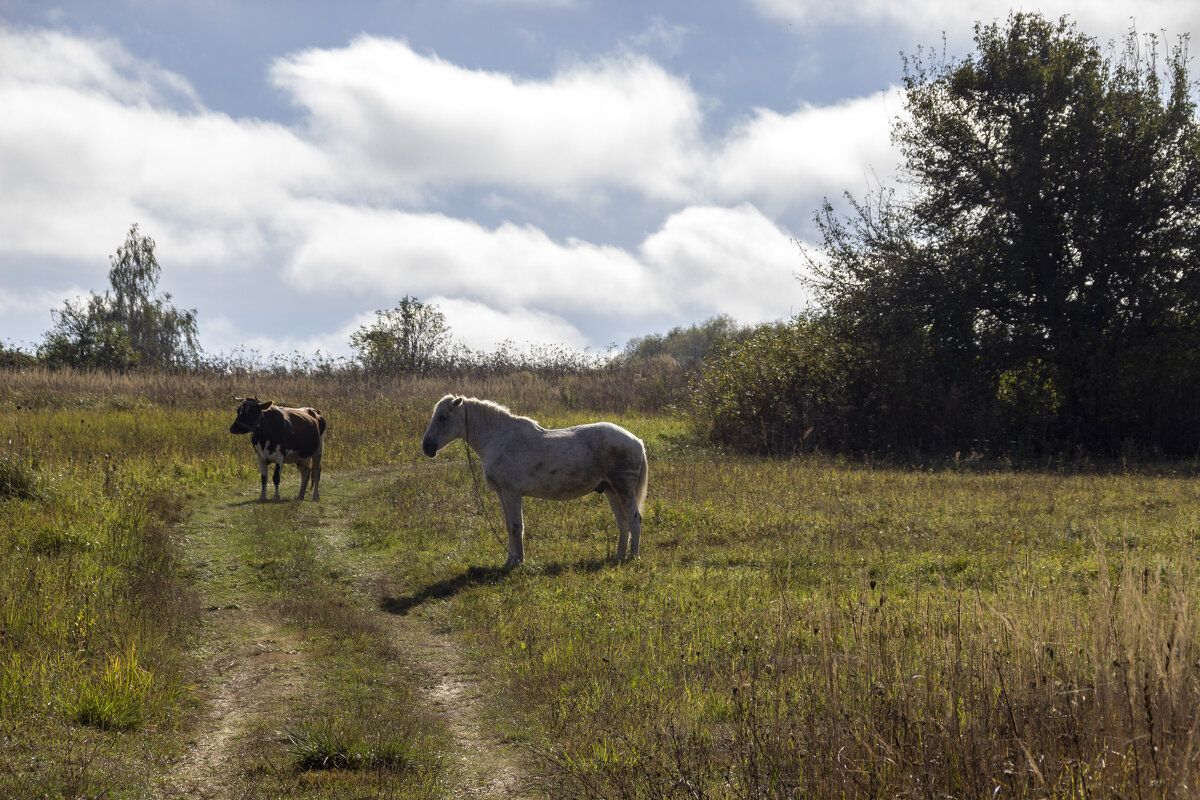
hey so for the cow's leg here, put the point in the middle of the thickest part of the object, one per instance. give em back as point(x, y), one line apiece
point(305, 468)
point(511, 502)
point(316, 475)
point(278, 465)
point(262, 470)
point(618, 510)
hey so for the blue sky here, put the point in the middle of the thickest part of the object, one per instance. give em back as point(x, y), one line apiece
point(567, 171)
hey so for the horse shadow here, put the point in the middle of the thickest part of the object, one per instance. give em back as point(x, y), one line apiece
point(484, 576)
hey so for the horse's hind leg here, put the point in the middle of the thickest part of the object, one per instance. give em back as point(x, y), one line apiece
point(511, 503)
point(629, 519)
point(635, 527)
point(618, 509)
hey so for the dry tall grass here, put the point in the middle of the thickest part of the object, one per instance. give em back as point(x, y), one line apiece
point(950, 696)
point(644, 386)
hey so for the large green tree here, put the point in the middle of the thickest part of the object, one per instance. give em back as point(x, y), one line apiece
point(1037, 277)
point(410, 338)
point(129, 326)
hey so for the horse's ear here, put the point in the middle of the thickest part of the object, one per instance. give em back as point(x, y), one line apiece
point(456, 402)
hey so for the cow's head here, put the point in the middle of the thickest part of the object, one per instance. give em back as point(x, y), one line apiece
point(249, 412)
point(446, 425)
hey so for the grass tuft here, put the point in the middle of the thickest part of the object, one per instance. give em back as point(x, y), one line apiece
point(17, 478)
point(114, 700)
point(336, 742)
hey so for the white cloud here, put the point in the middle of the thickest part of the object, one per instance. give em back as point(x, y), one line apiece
point(80, 163)
point(37, 300)
point(395, 116)
point(781, 159)
point(482, 327)
point(92, 140)
point(392, 253)
point(736, 261)
point(661, 35)
point(474, 324)
point(99, 66)
point(222, 335)
point(705, 260)
point(1104, 20)
point(25, 312)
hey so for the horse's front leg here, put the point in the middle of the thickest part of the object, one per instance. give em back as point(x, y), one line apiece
point(511, 503)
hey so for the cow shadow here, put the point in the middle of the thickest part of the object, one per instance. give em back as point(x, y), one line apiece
point(485, 576)
point(239, 503)
point(254, 501)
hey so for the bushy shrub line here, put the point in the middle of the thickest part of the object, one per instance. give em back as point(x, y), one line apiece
point(809, 384)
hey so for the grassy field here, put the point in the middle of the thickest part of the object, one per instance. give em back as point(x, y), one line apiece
point(808, 627)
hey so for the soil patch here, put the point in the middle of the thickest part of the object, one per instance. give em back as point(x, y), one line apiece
point(262, 668)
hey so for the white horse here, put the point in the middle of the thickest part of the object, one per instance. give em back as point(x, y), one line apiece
point(522, 459)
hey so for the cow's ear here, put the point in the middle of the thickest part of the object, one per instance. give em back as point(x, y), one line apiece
point(263, 406)
point(456, 403)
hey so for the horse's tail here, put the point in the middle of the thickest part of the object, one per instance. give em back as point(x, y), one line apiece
point(643, 482)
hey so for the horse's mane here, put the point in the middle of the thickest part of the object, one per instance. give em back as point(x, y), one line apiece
point(491, 408)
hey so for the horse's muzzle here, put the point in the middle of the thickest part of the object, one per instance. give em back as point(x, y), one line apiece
point(429, 447)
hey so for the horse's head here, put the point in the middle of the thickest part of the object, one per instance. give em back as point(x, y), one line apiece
point(446, 425)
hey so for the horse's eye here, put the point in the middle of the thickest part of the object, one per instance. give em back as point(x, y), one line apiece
point(442, 418)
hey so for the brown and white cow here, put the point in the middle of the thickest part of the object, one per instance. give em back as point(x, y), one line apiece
point(284, 436)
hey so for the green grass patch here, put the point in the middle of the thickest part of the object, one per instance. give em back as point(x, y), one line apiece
point(340, 742)
point(806, 627)
point(795, 627)
point(116, 698)
point(17, 478)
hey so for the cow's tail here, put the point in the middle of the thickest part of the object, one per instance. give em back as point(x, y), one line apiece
point(320, 421)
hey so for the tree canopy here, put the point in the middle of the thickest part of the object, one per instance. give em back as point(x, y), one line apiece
point(687, 345)
point(129, 326)
point(1033, 283)
point(412, 337)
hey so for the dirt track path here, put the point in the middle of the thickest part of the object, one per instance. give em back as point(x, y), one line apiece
point(261, 668)
point(487, 768)
point(456, 692)
point(255, 666)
